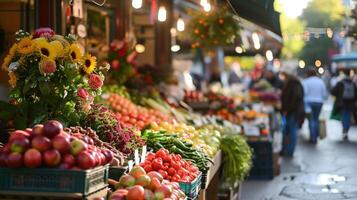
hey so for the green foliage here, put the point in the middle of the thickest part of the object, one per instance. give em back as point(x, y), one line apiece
point(211, 29)
point(321, 14)
point(292, 45)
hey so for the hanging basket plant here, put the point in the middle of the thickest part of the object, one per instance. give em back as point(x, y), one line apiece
point(211, 29)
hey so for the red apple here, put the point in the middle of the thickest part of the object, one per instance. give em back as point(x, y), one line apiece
point(29, 131)
point(3, 158)
point(109, 155)
point(52, 158)
point(77, 146)
point(52, 128)
point(32, 158)
point(14, 160)
point(20, 145)
point(69, 159)
point(85, 160)
point(41, 143)
point(37, 129)
point(18, 134)
point(103, 161)
point(61, 143)
point(64, 166)
point(135, 193)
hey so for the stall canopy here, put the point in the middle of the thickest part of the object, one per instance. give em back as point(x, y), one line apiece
point(260, 12)
point(348, 60)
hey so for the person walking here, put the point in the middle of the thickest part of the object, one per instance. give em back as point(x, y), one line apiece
point(292, 108)
point(346, 94)
point(315, 93)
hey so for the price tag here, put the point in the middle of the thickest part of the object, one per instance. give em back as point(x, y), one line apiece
point(143, 154)
point(251, 130)
point(130, 164)
point(136, 157)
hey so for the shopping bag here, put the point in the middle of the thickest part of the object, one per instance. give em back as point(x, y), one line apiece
point(335, 114)
point(322, 126)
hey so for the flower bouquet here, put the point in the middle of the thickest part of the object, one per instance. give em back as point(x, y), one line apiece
point(122, 59)
point(50, 78)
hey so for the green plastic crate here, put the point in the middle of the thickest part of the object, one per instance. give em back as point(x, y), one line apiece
point(193, 188)
point(47, 180)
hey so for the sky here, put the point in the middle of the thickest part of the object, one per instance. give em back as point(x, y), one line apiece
point(293, 8)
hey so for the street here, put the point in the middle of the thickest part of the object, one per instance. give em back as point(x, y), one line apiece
point(323, 172)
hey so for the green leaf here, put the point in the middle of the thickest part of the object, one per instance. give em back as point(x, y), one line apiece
point(20, 123)
point(39, 119)
point(45, 88)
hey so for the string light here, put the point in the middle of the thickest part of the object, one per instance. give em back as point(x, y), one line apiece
point(317, 63)
point(137, 3)
point(269, 55)
point(239, 49)
point(256, 40)
point(321, 70)
point(301, 64)
point(207, 7)
point(175, 48)
point(180, 24)
point(161, 16)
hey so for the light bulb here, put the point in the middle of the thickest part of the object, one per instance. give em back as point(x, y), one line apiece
point(256, 40)
point(207, 7)
point(161, 16)
point(180, 25)
point(140, 48)
point(175, 48)
point(203, 2)
point(137, 3)
point(269, 55)
point(301, 64)
point(239, 49)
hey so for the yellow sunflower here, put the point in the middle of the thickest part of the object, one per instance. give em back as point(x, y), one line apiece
point(25, 46)
point(46, 49)
point(75, 52)
point(13, 79)
point(57, 45)
point(89, 63)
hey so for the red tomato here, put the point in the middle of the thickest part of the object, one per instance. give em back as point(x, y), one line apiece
point(157, 164)
point(167, 159)
point(169, 177)
point(166, 151)
point(163, 173)
point(175, 165)
point(171, 171)
point(160, 153)
point(150, 156)
point(166, 164)
point(165, 168)
point(148, 168)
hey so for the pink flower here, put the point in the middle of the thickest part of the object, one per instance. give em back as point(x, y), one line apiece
point(122, 51)
point(43, 32)
point(48, 66)
point(82, 93)
point(130, 59)
point(115, 64)
point(95, 82)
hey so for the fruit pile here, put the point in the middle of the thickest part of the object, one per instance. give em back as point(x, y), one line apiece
point(202, 139)
point(193, 96)
point(49, 145)
point(133, 115)
point(139, 185)
point(171, 166)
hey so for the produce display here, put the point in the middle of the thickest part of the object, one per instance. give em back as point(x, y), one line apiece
point(48, 145)
point(193, 96)
point(174, 144)
point(110, 129)
point(171, 166)
point(133, 115)
point(202, 139)
point(139, 185)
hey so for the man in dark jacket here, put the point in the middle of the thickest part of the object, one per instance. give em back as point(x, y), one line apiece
point(346, 94)
point(292, 108)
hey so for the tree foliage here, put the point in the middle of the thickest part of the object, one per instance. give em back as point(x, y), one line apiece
point(321, 14)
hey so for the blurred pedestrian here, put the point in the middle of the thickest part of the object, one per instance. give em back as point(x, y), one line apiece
point(292, 108)
point(274, 80)
point(315, 93)
point(346, 94)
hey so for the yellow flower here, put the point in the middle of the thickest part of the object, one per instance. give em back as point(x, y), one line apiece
point(45, 48)
point(13, 50)
point(6, 63)
point(25, 46)
point(57, 45)
point(75, 52)
point(89, 63)
point(13, 79)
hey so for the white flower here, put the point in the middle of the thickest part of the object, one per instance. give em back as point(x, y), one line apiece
point(13, 66)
